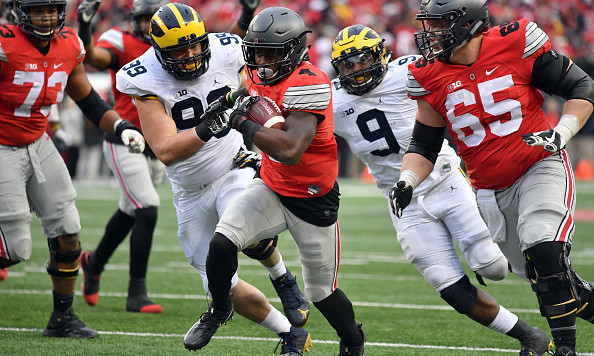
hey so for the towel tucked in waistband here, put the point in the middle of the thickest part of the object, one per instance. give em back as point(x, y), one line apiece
point(491, 214)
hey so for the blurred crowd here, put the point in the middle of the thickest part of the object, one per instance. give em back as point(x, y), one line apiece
point(569, 24)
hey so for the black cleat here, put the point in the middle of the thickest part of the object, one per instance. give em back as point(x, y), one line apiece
point(353, 350)
point(295, 304)
point(564, 351)
point(200, 333)
point(537, 343)
point(294, 343)
point(67, 324)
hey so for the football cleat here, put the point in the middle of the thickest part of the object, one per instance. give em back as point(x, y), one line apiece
point(294, 343)
point(138, 300)
point(3, 273)
point(353, 350)
point(536, 344)
point(142, 304)
point(90, 284)
point(67, 324)
point(202, 331)
point(295, 304)
point(564, 351)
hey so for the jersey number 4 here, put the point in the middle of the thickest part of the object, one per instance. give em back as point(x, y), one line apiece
point(468, 127)
point(38, 80)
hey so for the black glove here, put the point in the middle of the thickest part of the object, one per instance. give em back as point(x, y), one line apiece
point(245, 158)
point(250, 5)
point(400, 197)
point(212, 124)
point(86, 10)
point(239, 121)
point(551, 140)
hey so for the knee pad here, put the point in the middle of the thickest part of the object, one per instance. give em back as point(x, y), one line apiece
point(461, 295)
point(496, 271)
point(221, 245)
point(56, 256)
point(21, 250)
point(263, 250)
point(553, 280)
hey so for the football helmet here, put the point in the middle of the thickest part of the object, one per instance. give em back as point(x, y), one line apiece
point(281, 32)
point(460, 21)
point(143, 8)
point(174, 27)
point(359, 44)
point(25, 20)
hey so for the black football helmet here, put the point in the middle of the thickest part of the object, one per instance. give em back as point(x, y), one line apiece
point(281, 31)
point(460, 21)
point(359, 44)
point(177, 26)
point(25, 20)
point(143, 8)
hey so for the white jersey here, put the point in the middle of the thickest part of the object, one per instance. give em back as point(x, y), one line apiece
point(378, 128)
point(186, 100)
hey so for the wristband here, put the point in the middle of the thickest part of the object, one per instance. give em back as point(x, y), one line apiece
point(567, 127)
point(85, 34)
point(410, 178)
point(203, 132)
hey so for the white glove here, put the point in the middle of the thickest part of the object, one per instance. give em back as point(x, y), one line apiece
point(134, 140)
point(63, 138)
point(550, 140)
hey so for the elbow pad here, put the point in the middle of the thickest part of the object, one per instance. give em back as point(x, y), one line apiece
point(426, 141)
point(554, 74)
point(93, 107)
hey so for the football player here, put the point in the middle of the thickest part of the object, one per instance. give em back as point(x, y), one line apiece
point(296, 189)
point(172, 83)
point(374, 115)
point(137, 175)
point(40, 60)
point(485, 85)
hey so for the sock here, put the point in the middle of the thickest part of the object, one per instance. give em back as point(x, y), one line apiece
point(221, 265)
point(277, 270)
point(141, 240)
point(115, 232)
point(276, 322)
point(62, 302)
point(338, 310)
point(504, 321)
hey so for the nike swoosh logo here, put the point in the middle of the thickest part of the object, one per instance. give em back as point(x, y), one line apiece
point(56, 66)
point(488, 72)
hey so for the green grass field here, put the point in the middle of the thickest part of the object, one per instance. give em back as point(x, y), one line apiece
point(401, 313)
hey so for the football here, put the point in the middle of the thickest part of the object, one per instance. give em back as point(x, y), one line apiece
point(265, 112)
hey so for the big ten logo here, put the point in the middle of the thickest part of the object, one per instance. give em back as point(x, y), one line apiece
point(454, 85)
point(180, 93)
point(31, 66)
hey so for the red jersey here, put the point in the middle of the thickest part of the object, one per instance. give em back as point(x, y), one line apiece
point(490, 104)
point(31, 82)
point(127, 47)
point(306, 89)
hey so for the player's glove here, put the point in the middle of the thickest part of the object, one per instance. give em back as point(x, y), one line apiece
point(86, 10)
point(238, 116)
point(63, 138)
point(400, 197)
point(551, 140)
point(212, 123)
point(250, 5)
point(245, 158)
point(130, 135)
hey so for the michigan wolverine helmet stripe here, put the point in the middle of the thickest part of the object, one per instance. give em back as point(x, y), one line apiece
point(360, 45)
point(174, 27)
